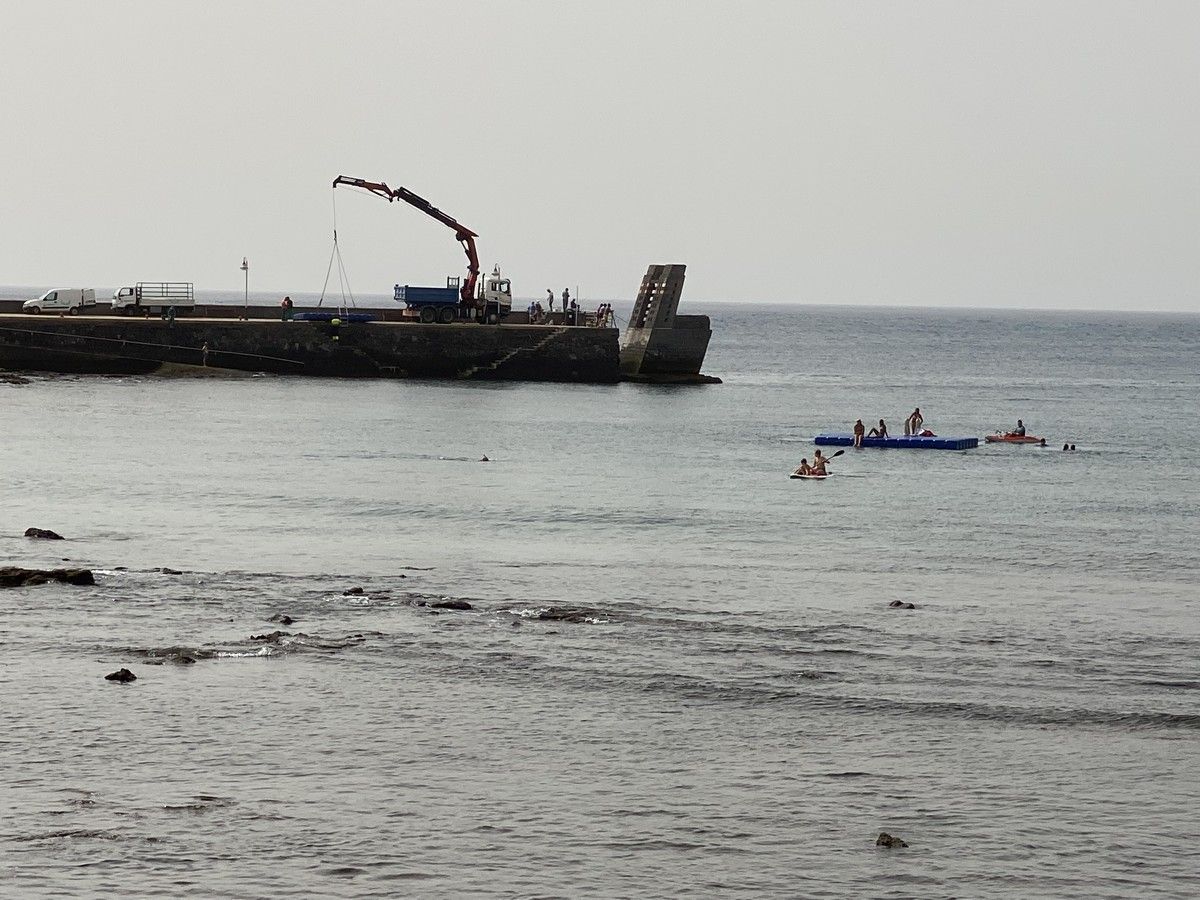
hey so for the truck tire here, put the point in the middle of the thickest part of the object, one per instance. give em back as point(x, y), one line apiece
point(74, 311)
point(34, 310)
point(446, 315)
point(428, 315)
point(127, 310)
point(493, 319)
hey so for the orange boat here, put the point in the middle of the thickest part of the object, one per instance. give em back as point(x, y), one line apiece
point(1011, 438)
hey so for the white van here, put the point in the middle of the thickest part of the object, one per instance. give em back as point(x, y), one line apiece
point(71, 300)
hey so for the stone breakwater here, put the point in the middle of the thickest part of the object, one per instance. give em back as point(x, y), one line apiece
point(100, 345)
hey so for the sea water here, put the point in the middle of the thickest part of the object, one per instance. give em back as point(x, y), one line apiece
point(680, 675)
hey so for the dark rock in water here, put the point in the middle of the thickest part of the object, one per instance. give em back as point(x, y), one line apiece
point(274, 637)
point(120, 568)
point(577, 614)
point(281, 619)
point(13, 378)
point(124, 676)
point(43, 534)
point(451, 604)
point(14, 576)
point(353, 592)
point(886, 840)
point(900, 604)
point(167, 571)
point(185, 661)
point(896, 603)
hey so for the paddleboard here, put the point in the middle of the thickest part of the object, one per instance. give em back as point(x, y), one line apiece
point(812, 477)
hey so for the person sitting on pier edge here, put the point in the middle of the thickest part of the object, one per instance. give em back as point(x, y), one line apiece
point(881, 431)
point(858, 432)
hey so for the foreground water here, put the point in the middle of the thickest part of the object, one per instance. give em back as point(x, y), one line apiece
point(680, 674)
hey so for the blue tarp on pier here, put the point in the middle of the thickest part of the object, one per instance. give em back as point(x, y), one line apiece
point(843, 439)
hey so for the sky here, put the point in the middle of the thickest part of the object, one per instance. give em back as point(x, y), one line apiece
point(1019, 154)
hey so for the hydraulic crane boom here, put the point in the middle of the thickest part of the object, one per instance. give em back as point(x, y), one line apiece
point(465, 235)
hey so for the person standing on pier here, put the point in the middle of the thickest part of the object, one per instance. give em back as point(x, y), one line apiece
point(566, 300)
point(550, 300)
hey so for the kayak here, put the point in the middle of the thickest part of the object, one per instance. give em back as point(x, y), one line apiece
point(812, 477)
point(1012, 439)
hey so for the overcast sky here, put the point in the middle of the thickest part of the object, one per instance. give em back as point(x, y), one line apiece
point(1040, 154)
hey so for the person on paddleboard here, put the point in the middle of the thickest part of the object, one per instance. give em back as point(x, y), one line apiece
point(806, 469)
point(818, 464)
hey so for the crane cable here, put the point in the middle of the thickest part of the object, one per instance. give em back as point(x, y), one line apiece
point(343, 277)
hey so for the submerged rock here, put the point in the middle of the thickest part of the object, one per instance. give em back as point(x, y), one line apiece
point(167, 571)
point(353, 592)
point(123, 676)
point(887, 840)
point(282, 619)
point(451, 604)
point(43, 534)
point(900, 604)
point(576, 614)
point(13, 378)
point(273, 638)
point(15, 576)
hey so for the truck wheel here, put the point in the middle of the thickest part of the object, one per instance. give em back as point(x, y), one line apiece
point(127, 310)
point(74, 310)
point(493, 319)
point(428, 315)
point(446, 316)
point(34, 310)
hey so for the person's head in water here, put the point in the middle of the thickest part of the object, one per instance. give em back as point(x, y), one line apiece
point(1066, 447)
point(1072, 446)
point(1043, 443)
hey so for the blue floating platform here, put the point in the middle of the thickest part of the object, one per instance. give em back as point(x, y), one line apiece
point(843, 439)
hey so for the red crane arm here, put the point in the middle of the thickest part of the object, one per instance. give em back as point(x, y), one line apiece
point(465, 235)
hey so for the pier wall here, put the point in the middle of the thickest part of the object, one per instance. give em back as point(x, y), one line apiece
point(119, 345)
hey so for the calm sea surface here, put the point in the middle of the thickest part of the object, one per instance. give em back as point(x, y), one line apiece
point(680, 676)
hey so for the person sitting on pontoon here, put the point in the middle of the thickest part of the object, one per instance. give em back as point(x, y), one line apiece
point(881, 431)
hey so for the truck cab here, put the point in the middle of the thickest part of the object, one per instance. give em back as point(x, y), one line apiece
point(496, 292)
point(71, 300)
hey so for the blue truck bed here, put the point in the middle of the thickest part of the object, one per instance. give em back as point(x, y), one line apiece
point(415, 295)
point(844, 439)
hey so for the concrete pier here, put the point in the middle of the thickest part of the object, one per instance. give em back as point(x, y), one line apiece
point(118, 345)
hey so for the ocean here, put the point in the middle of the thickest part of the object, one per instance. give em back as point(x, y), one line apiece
point(680, 674)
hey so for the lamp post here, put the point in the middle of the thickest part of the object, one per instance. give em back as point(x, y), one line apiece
point(246, 271)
